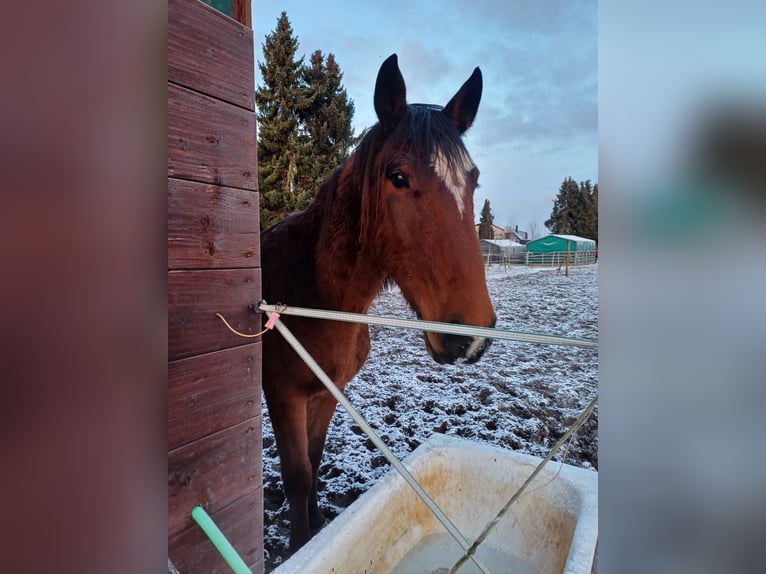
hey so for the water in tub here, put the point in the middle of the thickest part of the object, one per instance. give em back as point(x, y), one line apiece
point(436, 554)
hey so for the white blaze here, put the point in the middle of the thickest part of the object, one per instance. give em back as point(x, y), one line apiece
point(453, 176)
point(477, 342)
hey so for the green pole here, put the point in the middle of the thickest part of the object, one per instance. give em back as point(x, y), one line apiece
point(223, 546)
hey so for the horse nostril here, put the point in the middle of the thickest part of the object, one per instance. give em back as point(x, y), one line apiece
point(456, 346)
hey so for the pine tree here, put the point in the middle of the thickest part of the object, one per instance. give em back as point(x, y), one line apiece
point(304, 124)
point(485, 222)
point(575, 210)
point(588, 218)
point(588, 223)
point(277, 100)
point(563, 217)
point(326, 135)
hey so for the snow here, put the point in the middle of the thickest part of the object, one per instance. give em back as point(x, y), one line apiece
point(576, 239)
point(503, 242)
point(571, 237)
point(519, 396)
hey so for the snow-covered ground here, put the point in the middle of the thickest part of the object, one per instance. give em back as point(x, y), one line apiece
point(519, 396)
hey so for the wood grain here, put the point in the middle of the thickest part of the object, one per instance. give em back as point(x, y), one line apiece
point(213, 471)
point(194, 297)
point(211, 226)
point(241, 522)
point(208, 393)
point(214, 406)
point(211, 53)
point(240, 9)
point(210, 141)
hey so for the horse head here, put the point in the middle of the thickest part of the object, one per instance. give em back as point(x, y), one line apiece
point(417, 213)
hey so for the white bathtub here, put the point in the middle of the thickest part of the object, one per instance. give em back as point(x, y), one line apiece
point(551, 529)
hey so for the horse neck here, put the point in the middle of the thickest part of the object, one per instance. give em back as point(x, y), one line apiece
point(348, 277)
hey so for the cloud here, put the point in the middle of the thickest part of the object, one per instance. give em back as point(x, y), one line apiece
point(541, 17)
point(539, 120)
point(429, 68)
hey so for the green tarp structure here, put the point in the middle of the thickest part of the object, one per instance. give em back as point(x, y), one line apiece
point(553, 243)
point(552, 250)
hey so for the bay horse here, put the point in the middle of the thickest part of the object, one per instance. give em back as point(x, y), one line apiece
point(401, 206)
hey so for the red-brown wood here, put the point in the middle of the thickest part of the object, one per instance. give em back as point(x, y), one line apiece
point(214, 401)
point(240, 9)
point(242, 524)
point(209, 392)
point(211, 53)
point(211, 226)
point(209, 140)
point(213, 472)
point(194, 297)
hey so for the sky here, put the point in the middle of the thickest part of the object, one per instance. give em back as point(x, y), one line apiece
point(537, 123)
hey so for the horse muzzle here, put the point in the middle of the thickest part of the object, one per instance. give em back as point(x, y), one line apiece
point(450, 349)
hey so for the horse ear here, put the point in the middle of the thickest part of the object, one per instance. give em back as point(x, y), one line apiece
point(461, 109)
point(390, 93)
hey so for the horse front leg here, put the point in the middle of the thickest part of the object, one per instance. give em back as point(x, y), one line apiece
point(288, 418)
point(320, 409)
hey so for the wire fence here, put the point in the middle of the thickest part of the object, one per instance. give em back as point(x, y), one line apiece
point(556, 258)
point(505, 259)
point(551, 259)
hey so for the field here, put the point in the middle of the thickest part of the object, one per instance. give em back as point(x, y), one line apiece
point(520, 396)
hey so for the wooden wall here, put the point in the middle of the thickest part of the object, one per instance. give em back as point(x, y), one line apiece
point(214, 404)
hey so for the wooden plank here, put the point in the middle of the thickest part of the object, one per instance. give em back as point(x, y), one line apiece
point(211, 53)
point(210, 141)
point(211, 392)
point(241, 522)
point(211, 226)
point(194, 297)
point(213, 471)
point(240, 10)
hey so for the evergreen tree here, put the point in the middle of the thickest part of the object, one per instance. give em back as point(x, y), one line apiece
point(588, 217)
point(575, 210)
point(277, 100)
point(304, 124)
point(325, 134)
point(485, 222)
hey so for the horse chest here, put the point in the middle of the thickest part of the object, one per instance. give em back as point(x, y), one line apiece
point(348, 352)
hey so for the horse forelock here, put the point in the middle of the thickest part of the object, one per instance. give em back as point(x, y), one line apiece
point(423, 134)
point(442, 147)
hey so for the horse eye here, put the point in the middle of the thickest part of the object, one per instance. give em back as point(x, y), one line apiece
point(399, 180)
